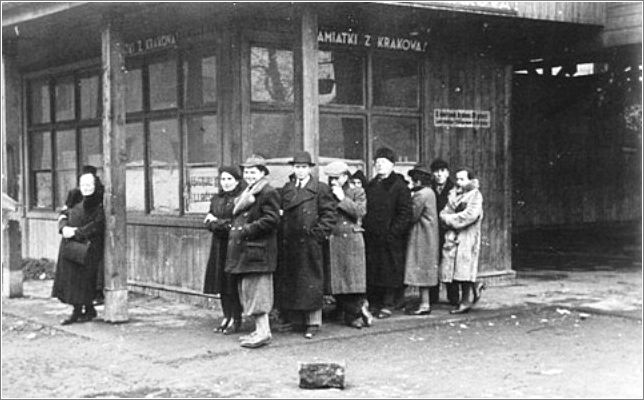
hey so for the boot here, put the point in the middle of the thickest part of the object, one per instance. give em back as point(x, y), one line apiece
point(466, 304)
point(78, 309)
point(89, 314)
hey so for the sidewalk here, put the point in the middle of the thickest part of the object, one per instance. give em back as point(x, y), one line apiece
point(169, 332)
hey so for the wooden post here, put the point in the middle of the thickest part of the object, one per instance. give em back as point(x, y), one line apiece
point(11, 235)
point(114, 158)
point(307, 57)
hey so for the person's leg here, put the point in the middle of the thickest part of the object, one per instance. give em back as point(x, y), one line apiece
point(424, 307)
point(89, 313)
point(313, 320)
point(76, 313)
point(466, 303)
point(434, 294)
point(351, 306)
point(226, 309)
point(453, 293)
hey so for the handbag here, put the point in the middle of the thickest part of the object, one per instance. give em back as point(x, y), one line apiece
point(75, 251)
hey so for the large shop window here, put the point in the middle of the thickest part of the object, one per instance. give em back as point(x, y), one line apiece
point(63, 118)
point(272, 96)
point(174, 146)
point(363, 108)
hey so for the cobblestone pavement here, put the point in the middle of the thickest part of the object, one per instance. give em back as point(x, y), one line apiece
point(554, 333)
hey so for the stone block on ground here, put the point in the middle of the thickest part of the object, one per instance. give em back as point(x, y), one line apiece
point(321, 375)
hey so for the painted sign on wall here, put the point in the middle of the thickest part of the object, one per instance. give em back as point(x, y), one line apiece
point(376, 41)
point(454, 118)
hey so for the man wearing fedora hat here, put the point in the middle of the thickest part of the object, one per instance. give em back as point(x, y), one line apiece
point(421, 263)
point(308, 218)
point(386, 228)
point(252, 248)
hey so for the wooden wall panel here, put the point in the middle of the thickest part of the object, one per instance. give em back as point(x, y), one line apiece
point(470, 80)
point(169, 256)
point(623, 24)
point(563, 11)
point(42, 239)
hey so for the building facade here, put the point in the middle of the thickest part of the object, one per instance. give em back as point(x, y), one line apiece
point(159, 95)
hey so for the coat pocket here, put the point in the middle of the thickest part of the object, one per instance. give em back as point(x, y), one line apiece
point(255, 252)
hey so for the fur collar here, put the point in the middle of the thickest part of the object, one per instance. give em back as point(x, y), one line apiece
point(247, 198)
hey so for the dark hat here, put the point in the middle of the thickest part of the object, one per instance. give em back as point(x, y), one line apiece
point(385, 152)
point(438, 164)
point(88, 169)
point(419, 169)
point(256, 160)
point(302, 157)
point(232, 170)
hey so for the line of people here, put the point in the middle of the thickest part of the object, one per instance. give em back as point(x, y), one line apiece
point(280, 252)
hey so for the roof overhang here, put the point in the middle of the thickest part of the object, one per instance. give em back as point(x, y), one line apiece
point(18, 12)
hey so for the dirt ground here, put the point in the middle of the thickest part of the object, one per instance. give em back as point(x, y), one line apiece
point(534, 353)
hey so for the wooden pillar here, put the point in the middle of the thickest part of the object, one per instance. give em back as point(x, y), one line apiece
point(11, 230)
point(306, 61)
point(114, 158)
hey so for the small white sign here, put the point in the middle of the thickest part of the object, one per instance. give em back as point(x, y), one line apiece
point(454, 118)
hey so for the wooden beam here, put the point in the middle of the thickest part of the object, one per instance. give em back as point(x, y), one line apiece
point(114, 158)
point(28, 11)
point(307, 46)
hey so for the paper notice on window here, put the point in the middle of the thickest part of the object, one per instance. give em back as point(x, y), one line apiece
point(454, 118)
point(201, 186)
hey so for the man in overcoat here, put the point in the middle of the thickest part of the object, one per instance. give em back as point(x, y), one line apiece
point(252, 248)
point(442, 184)
point(386, 226)
point(308, 218)
point(462, 217)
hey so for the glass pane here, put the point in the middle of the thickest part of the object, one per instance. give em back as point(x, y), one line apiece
point(134, 172)
point(200, 81)
point(340, 77)
point(399, 134)
point(203, 141)
point(66, 150)
point(40, 155)
point(39, 101)
point(164, 163)
point(133, 91)
point(92, 148)
point(272, 134)
point(64, 99)
point(89, 97)
point(163, 85)
point(395, 82)
point(42, 192)
point(271, 75)
point(341, 137)
point(65, 181)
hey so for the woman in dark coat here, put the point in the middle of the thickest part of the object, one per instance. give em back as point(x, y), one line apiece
point(218, 221)
point(75, 283)
point(387, 223)
point(252, 248)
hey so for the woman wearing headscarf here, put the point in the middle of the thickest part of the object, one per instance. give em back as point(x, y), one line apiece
point(218, 221)
point(84, 223)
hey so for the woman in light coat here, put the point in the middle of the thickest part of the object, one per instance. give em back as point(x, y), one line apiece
point(347, 267)
point(462, 216)
point(421, 263)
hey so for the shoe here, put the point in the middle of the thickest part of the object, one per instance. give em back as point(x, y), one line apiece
point(72, 318)
point(356, 323)
point(233, 327)
point(87, 315)
point(250, 336)
point(310, 332)
point(478, 288)
point(420, 311)
point(223, 326)
point(256, 341)
point(462, 309)
point(384, 313)
point(367, 317)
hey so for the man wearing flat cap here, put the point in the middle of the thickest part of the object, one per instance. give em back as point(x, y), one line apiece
point(309, 216)
point(386, 226)
point(347, 269)
point(252, 248)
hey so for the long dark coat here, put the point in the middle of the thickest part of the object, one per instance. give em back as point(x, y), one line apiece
point(221, 207)
point(347, 267)
point(252, 241)
point(387, 225)
point(76, 283)
point(309, 216)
